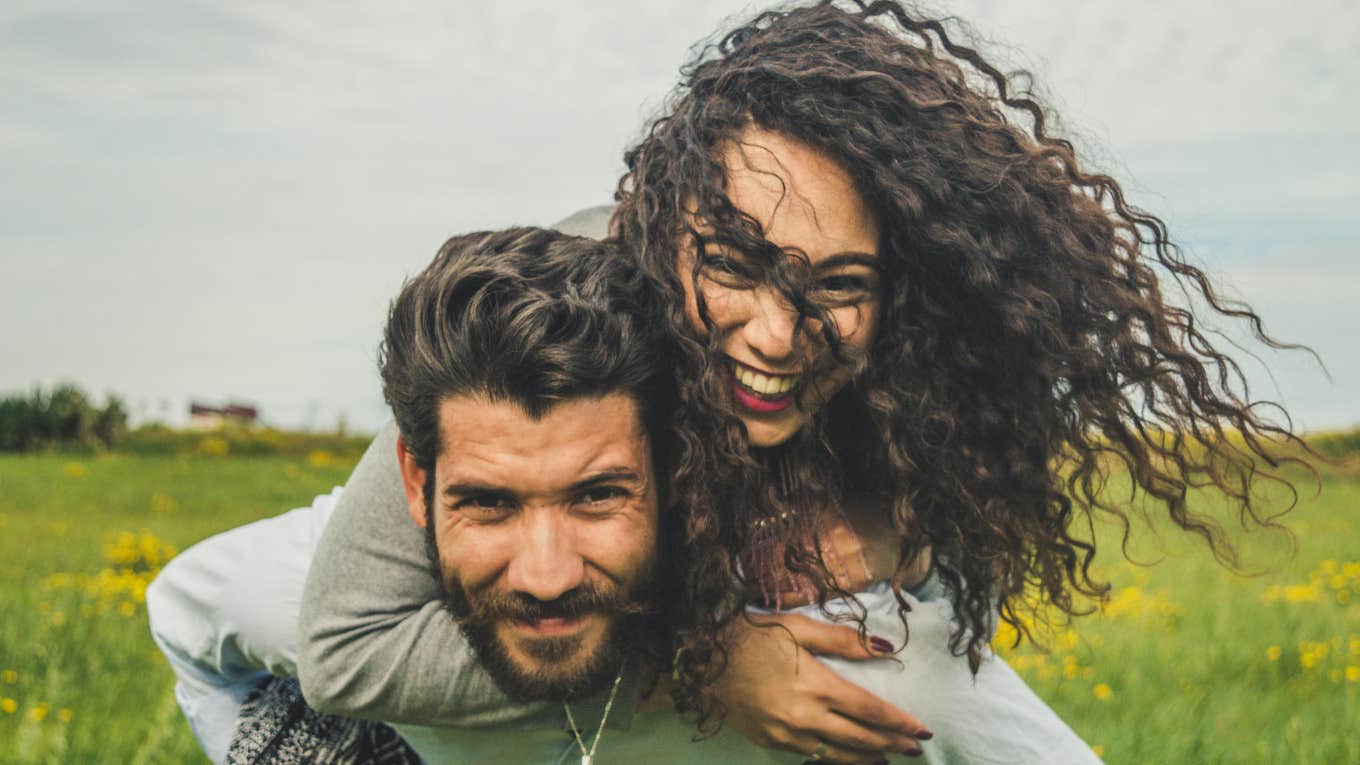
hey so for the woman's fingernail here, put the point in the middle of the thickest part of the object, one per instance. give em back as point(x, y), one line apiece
point(880, 645)
point(924, 734)
point(913, 752)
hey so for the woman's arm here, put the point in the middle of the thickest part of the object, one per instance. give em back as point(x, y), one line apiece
point(374, 640)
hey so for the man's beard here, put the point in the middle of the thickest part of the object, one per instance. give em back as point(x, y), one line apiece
point(628, 616)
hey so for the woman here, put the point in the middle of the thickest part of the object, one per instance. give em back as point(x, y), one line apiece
point(919, 333)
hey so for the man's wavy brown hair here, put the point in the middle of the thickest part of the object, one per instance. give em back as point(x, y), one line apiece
point(1026, 346)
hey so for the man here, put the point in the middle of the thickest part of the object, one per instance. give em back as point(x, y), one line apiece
point(522, 374)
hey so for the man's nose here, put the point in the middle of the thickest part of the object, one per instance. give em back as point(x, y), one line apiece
point(547, 563)
point(774, 330)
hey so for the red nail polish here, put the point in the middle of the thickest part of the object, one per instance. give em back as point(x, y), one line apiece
point(880, 645)
point(924, 734)
point(914, 752)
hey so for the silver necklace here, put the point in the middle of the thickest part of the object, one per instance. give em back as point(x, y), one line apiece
point(588, 756)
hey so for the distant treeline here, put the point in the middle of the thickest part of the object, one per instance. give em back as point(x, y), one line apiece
point(66, 419)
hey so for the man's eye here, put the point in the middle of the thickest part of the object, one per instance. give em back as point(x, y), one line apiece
point(603, 495)
point(484, 505)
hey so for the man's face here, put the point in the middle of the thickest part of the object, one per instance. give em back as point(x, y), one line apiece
point(545, 535)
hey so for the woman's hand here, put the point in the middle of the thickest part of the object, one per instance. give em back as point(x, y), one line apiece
point(779, 696)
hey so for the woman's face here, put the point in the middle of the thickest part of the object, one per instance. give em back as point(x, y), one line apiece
point(805, 201)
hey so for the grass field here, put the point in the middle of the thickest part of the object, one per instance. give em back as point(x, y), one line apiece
point(1185, 664)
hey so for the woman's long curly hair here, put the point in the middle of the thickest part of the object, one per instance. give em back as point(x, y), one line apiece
point(1025, 347)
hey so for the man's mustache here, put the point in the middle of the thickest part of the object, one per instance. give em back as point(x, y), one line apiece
point(494, 606)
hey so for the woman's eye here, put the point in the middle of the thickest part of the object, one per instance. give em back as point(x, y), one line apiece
point(844, 288)
point(719, 263)
point(726, 270)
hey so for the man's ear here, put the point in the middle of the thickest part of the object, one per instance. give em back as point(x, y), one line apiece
point(413, 480)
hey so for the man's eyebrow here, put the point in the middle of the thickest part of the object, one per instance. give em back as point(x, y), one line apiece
point(609, 475)
point(467, 489)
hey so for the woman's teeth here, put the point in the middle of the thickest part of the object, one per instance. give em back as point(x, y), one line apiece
point(764, 385)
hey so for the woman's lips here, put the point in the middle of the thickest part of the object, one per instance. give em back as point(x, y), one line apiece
point(758, 404)
point(754, 402)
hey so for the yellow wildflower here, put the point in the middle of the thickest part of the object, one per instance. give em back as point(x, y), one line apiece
point(1353, 674)
point(127, 608)
point(163, 503)
point(8, 706)
point(74, 470)
point(1098, 750)
point(1302, 593)
point(39, 712)
point(1103, 692)
point(64, 714)
point(1273, 653)
point(9, 677)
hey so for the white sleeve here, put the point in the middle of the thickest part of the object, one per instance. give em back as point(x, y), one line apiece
point(224, 613)
point(990, 717)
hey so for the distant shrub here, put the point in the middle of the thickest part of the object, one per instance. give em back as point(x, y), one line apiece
point(1338, 445)
point(65, 418)
point(237, 441)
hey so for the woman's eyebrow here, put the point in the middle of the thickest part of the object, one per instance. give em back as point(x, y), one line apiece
point(852, 258)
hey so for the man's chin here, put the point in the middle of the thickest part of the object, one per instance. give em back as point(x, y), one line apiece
point(553, 661)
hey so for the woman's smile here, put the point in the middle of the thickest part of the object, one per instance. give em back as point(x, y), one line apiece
point(762, 392)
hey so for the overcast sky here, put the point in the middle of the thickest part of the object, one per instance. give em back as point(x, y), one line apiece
point(216, 200)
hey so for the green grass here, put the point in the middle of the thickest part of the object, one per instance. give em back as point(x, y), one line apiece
point(1197, 665)
point(1184, 649)
point(77, 666)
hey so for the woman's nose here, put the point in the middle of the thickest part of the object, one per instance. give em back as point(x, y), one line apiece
point(773, 329)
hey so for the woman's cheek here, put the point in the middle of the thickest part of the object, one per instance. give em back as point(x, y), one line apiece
point(856, 324)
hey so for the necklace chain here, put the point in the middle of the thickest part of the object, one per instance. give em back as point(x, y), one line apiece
point(588, 756)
